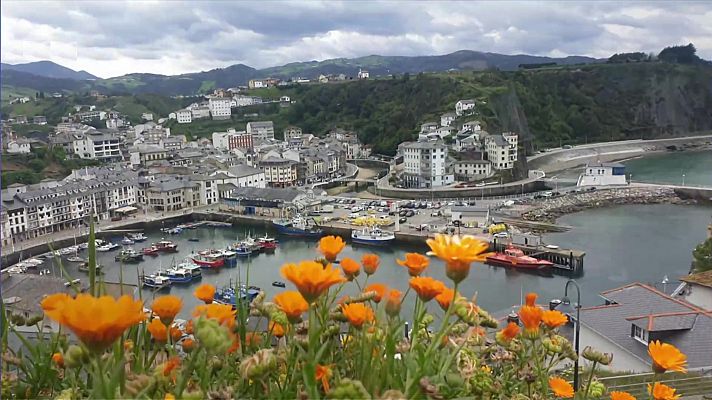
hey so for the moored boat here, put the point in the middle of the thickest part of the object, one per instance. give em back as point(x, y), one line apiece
point(515, 258)
point(372, 236)
point(76, 259)
point(150, 251)
point(209, 259)
point(129, 255)
point(297, 226)
point(166, 246)
point(191, 267)
point(267, 244)
point(127, 241)
point(137, 237)
point(176, 275)
point(230, 295)
point(85, 267)
point(155, 282)
point(230, 257)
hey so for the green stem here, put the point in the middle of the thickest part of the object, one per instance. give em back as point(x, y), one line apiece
point(445, 327)
point(590, 379)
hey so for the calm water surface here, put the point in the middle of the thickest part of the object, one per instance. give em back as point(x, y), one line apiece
point(623, 244)
point(670, 168)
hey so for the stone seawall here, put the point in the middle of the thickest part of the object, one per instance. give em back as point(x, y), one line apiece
point(550, 209)
point(452, 193)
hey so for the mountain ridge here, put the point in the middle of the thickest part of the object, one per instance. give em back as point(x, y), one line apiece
point(49, 69)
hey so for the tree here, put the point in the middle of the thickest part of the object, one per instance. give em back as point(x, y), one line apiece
point(702, 256)
point(679, 54)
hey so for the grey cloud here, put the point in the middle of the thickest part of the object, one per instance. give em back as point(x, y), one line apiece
point(203, 34)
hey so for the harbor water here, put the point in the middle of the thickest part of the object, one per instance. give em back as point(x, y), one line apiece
point(669, 168)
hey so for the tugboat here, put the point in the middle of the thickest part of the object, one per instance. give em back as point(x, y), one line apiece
point(129, 256)
point(515, 258)
point(137, 237)
point(228, 294)
point(372, 236)
point(166, 246)
point(297, 226)
point(155, 282)
point(267, 244)
point(209, 259)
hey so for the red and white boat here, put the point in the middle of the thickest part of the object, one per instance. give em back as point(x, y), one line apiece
point(166, 246)
point(515, 258)
point(209, 259)
point(150, 251)
point(267, 243)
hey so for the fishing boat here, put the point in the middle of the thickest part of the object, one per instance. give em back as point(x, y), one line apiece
point(229, 295)
point(155, 282)
point(373, 236)
point(172, 231)
point(129, 256)
point(230, 257)
point(166, 246)
point(191, 267)
point(267, 244)
point(241, 250)
point(176, 275)
point(297, 226)
point(76, 259)
point(104, 248)
point(85, 267)
point(137, 237)
point(515, 258)
point(127, 241)
point(279, 284)
point(82, 246)
point(209, 259)
point(150, 251)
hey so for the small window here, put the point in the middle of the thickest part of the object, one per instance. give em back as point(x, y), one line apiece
point(640, 334)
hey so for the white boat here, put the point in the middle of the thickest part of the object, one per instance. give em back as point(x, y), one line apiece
point(76, 259)
point(372, 236)
point(138, 237)
point(127, 241)
point(104, 248)
point(17, 270)
point(156, 282)
point(191, 267)
point(33, 262)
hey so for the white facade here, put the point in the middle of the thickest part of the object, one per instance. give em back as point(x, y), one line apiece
point(243, 176)
point(428, 127)
point(473, 126)
point(447, 119)
point(200, 112)
point(424, 165)
point(97, 146)
point(603, 174)
point(502, 150)
point(699, 295)
point(279, 172)
point(463, 107)
point(363, 74)
point(184, 116)
point(472, 169)
point(219, 108)
point(261, 130)
point(18, 147)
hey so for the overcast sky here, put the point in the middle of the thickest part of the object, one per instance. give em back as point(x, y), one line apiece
point(114, 38)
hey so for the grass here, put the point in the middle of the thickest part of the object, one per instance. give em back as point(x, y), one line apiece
point(11, 92)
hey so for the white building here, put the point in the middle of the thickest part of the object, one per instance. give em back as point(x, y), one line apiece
point(261, 130)
point(464, 107)
point(147, 116)
point(603, 174)
point(363, 74)
point(242, 175)
point(19, 146)
point(424, 165)
point(219, 107)
point(292, 132)
point(698, 290)
point(502, 150)
point(184, 116)
point(232, 139)
point(428, 127)
point(256, 84)
point(200, 112)
point(447, 119)
point(98, 146)
point(279, 172)
point(466, 170)
point(473, 126)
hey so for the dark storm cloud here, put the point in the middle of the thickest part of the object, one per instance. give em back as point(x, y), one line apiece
point(111, 38)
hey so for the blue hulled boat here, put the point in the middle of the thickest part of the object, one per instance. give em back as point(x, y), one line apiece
point(297, 226)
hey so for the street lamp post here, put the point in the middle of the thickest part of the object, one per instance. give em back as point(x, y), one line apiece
point(683, 179)
point(577, 329)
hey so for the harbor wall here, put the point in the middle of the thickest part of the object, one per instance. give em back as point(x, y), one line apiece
point(472, 192)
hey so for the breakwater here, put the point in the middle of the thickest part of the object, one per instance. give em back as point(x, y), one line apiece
point(549, 210)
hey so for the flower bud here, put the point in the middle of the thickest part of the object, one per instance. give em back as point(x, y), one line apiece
point(259, 364)
point(214, 337)
point(136, 384)
point(392, 394)
point(552, 345)
point(75, 356)
point(596, 356)
point(596, 389)
point(348, 389)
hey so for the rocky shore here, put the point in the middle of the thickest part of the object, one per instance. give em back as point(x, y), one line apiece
point(548, 210)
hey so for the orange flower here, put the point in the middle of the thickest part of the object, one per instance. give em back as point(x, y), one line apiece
point(350, 267)
point(188, 345)
point(561, 388)
point(426, 287)
point(357, 314)
point(393, 303)
point(128, 345)
point(170, 365)
point(235, 343)
point(331, 246)
point(167, 307)
point(531, 314)
point(553, 318)
point(58, 359)
point(158, 331)
point(176, 333)
point(621, 396)
point(416, 263)
point(253, 339)
point(311, 278)
point(458, 252)
point(96, 321)
point(379, 288)
point(666, 357)
point(370, 263)
point(189, 327)
point(510, 331)
point(324, 373)
point(223, 313)
point(445, 298)
point(293, 304)
point(169, 396)
point(277, 329)
point(205, 292)
point(662, 392)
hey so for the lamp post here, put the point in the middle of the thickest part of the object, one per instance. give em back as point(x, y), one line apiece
point(577, 329)
point(683, 179)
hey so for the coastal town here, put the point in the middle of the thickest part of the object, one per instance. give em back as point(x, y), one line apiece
point(305, 218)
